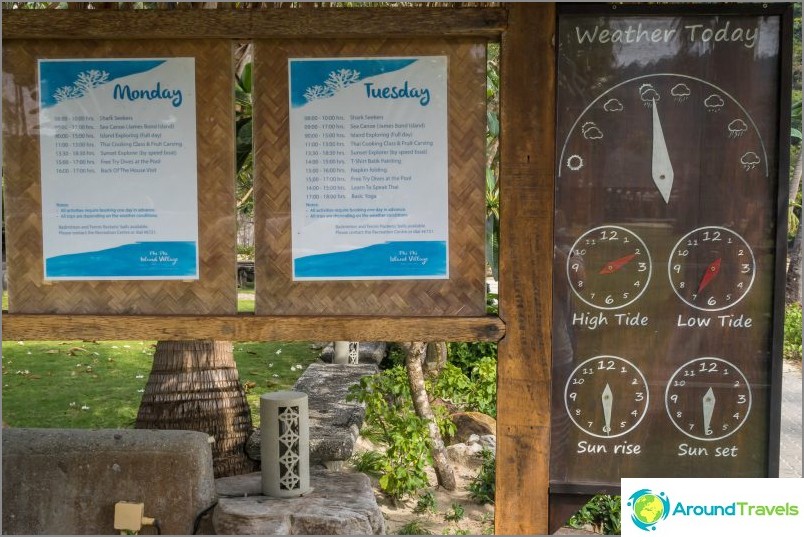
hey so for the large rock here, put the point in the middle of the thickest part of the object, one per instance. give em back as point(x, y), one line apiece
point(334, 422)
point(369, 352)
point(67, 481)
point(469, 423)
point(339, 504)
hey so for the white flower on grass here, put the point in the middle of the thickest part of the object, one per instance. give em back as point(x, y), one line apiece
point(141, 390)
point(96, 353)
point(271, 364)
point(72, 404)
point(115, 347)
point(20, 343)
point(85, 407)
point(279, 351)
point(140, 376)
point(126, 346)
point(29, 352)
point(275, 375)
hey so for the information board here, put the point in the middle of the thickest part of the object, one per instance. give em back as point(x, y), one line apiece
point(666, 248)
point(368, 148)
point(119, 169)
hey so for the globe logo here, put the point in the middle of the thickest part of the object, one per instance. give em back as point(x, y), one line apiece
point(648, 508)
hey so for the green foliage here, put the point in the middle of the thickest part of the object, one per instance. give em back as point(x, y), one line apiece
point(426, 503)
point(475, 392)
point(455, 513)
point(464, 355)
point(602, 512)
point(792, 332)
point(482, 487)
point(414, 527)
point(369, 462)
point(392, 420)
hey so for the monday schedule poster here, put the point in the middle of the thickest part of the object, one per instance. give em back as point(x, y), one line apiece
point(118, 161)
point(369, 177)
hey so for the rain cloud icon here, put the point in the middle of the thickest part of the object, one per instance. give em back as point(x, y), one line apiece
point(749, 160)
point(714, 102)
point(591, 131)
point(613, 105)
point(680, 92)
point(648, 94)
point(737, 128)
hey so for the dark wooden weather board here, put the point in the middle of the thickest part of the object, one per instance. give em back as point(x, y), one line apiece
point(668, 244)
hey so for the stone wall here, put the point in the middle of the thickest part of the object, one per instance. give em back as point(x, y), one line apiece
point(67, 481)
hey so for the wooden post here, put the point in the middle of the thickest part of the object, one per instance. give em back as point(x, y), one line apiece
point(527, 107)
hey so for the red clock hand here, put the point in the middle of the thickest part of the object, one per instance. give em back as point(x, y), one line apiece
point(709, 274)
point(617, 264)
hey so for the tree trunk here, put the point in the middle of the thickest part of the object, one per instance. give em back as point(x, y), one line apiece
point(435, 358)
point(792, 293)
point(195, 386)
point(421, 403)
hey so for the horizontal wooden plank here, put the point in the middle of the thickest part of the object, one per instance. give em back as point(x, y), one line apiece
point(247, 327)
point(254, 24)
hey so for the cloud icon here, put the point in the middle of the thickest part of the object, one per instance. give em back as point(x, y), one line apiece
point(737, 128)
point(680, 91)
point(648, 93)
point(613, 105)
point(749, 160)
point(714, 102)
point(591, 131)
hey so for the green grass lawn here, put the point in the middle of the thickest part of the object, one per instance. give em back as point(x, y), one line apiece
point(78, 384)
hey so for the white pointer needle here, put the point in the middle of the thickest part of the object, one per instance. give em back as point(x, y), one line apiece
point(661, 167)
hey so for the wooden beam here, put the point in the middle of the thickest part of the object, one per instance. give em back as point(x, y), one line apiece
point(247, 327)
point(254, 24)
point(527, 108)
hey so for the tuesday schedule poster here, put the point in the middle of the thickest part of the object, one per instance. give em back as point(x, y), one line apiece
point(369, 159)
point(119, 169)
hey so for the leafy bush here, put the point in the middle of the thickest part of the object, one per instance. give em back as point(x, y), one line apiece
point(392, 421)
point(456, 513)
point(482, 487)
point(602, 512)
point(465, 355)
point(476, 391)
point(792, 332)
point(426, 503)
point(413, 527)
point(369, 462)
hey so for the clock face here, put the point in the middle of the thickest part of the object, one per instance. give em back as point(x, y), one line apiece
point(708, 398)
point(660, 134)
point(711, 268)
point(609, 267)
point(606, 396)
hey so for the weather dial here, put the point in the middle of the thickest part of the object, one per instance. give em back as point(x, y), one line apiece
point(609, 267)
point(708, 398)
point(606, 396)
point(711, 268)
point(641, 134)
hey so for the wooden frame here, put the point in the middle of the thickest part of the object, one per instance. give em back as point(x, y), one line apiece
point(526, 146)
point(463, 294)
point(214, 292)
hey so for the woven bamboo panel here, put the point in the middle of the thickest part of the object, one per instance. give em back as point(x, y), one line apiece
point(215, 291)
point(464, 292)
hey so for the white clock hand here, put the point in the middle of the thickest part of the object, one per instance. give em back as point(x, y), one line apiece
point(607, 402)
point(661, 168)
point(708, 408)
